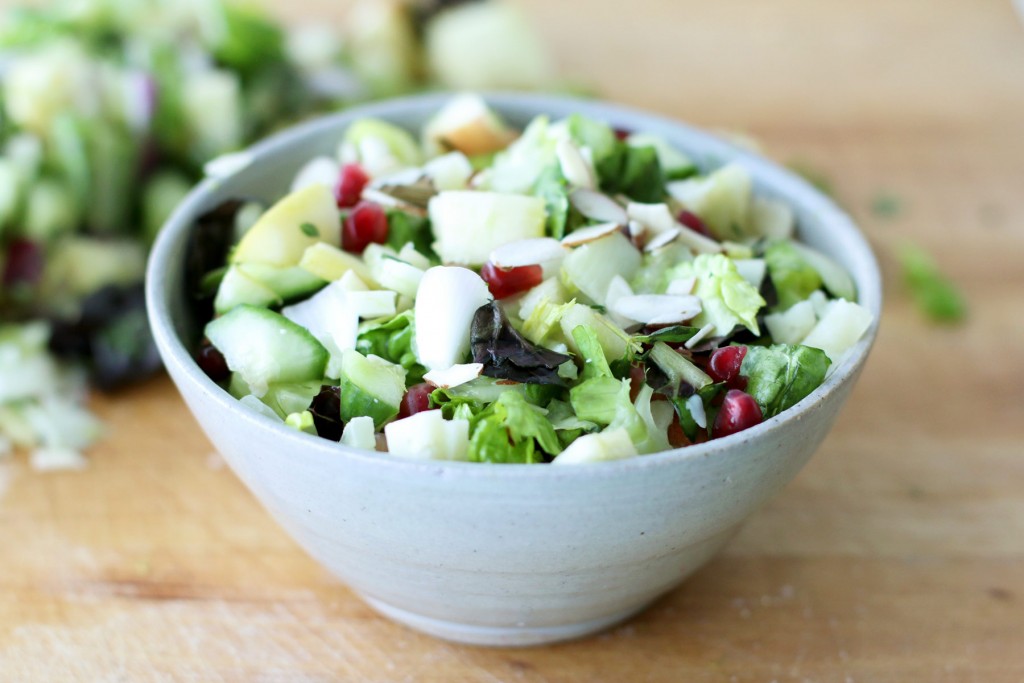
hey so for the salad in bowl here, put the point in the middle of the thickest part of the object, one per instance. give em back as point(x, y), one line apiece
point(566, 293)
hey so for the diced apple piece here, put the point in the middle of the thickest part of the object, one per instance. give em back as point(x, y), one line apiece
point(772, 218)
point(446, 302)
point(466, 124)
point(449, 172)
point(843, 324)
point(287, 229)
point(722, 200)
point(792, 325)
point(611, 444)
point(468, 226)
point(591, 267)
point(428, 436)
point(330, 263)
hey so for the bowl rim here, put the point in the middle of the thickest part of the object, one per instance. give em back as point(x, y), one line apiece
point(175, 229)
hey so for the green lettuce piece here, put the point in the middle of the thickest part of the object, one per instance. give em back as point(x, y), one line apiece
point(793, 277)
point(655, 423)
point(601, 398)
point(781, 375)
point(727, 299)
point(473, 396)
point(543, 321)
point(563, 419)
point(595, 365)
point(552, 187)
point(594, 135)
point(654, 274)
point(935, 294)
point(511, 430)
point(634, 172)
point(392, 341)
point(404, 227)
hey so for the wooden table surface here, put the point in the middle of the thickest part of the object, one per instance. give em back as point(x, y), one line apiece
point(897, 555)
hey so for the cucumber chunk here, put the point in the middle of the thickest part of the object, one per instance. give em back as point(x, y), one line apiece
point(286, 283)
point(266, 348)
point(370, 386)
point(237, 289)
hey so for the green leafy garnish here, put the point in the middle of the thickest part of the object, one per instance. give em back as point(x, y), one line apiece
point(309, 230)
point(781, 375)
point(936, 295)
point(886, 205)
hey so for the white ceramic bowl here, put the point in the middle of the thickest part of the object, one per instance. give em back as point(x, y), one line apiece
point(504, 554)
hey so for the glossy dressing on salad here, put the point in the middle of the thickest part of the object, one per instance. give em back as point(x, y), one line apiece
point(564, 294)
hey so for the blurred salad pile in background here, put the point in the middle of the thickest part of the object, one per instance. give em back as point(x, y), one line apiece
point(109, 110)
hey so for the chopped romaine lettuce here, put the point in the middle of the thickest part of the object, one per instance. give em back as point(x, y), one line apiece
point(512, 430)
point(393, 341)
point(727, 299)
point(793, 277)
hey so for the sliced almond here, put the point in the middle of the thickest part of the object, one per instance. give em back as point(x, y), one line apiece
point(528, 252)
point(663, 239)
point(657, 309)
point(455, 375)
point(702, 334)
point(636, 228)
point(388, 200)
point(656, 217)
point(574, 167)
point(698, 242)
point(598, 207)
point(682, 286)
point(589, 234)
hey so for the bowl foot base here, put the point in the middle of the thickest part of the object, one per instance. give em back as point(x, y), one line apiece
point(499, 636)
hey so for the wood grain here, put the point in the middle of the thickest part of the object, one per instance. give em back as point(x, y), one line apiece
point(897, 555)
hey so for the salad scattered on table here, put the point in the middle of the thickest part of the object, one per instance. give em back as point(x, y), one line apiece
point(567, 293)
point(109, 110)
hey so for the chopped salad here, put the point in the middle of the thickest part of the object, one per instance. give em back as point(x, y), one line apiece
point(568, 293)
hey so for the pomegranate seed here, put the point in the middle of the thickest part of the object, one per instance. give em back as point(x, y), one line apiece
point(212, 362)
point(725, 363)
point(350, 185)
point(739, 411)
point(365, 224)
point(24, 263)
point(621, 133)
point(504, 282)
point(416, 400)
point(693, 222)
